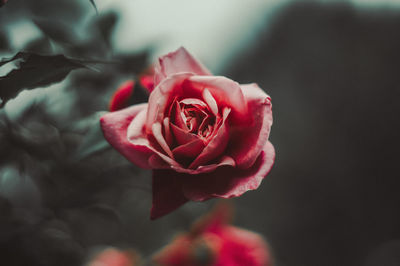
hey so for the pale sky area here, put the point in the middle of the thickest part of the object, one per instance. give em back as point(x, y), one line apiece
point(211, 30)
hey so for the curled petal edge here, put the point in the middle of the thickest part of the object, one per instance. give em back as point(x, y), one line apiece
point(253, 136)
point(114, 126)
point(228, 182)
point(176, 62)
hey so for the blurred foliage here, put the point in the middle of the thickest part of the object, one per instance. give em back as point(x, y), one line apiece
point(68, 40)
point(63, 191)
point(61, 184)
point(35, 71)
point(2, 2)
point(332, 197)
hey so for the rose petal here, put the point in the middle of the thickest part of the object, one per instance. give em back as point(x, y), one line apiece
point(194, 124)
point(224, 161)
point(181, 136)
point(115, 126)
point(226, 92)
point(167, 194)
point(217, 144)
point(194, 101)
point(228, 182)
point(179, 61)
point(162, 97)
point(157, 133)
point(179, 118)
point(167, 130)
point(189, 150)
point(156, 162)
point(248, 141)
point(121, 96)
point(135, 128)
point(135, 135)
point(212, 104)
point(205, 126)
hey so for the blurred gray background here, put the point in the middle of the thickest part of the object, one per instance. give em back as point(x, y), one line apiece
point(331, 68)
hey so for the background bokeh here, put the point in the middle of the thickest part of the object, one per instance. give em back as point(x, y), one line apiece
point(331, 68)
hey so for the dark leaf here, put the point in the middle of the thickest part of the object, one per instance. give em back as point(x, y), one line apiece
point(106, 24)
point(94, 5)
point(41, 45)
point(4, 43)
point(56, 30)
point(35, 71)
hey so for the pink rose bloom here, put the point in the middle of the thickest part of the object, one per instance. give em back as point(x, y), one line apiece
point(213, 242)
point(204, 136)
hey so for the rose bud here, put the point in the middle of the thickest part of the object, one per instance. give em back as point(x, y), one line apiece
point(146, 79)
point(204, 136)
point(213, 242)
point(121, 96)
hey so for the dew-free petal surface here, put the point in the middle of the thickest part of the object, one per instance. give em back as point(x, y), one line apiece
point(227, 181)
point(248, 141)
point(162, 97)
point(175, 62)
point(226, 93)
point(115, 126)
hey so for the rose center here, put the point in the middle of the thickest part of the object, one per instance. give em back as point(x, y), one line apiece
point(198, 119)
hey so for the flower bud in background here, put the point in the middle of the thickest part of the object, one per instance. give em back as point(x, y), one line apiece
point(146, 79)
point(121, 96)
point(111, 256)
point(212, 241)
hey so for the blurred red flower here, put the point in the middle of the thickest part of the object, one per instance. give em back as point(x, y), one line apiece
point(146, 78)
point(113, 257)
point(205, 136)
point(121, 96)
point(213, 242)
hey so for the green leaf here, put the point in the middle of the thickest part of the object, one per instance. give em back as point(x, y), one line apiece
point(106, 24)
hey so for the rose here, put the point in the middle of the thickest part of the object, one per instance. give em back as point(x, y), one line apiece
point(205, 136)
point(213, 241)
